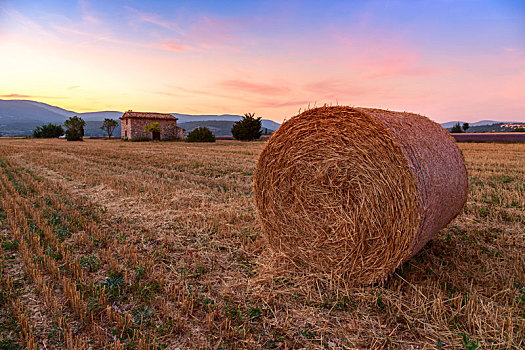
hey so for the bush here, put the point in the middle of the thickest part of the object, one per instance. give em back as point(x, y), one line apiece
point(75, 128)
point(48, 131)
point(456, 129)
point(201, 134)
point(153, 127)
point(73, 135)
point(155, 130)
point(247, 129)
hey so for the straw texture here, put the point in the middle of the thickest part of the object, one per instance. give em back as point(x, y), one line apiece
point(352, 193)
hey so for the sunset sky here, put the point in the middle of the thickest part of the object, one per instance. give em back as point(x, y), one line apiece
point(448, 60)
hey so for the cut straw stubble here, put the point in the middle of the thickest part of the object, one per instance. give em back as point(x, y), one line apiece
point(355, 192)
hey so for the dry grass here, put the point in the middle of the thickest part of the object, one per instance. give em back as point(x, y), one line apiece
point(350, 194)
point(152, 245)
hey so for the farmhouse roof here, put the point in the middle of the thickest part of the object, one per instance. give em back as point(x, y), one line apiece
point(147, 115)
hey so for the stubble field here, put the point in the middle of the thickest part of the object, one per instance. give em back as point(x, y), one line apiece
point(109, 244)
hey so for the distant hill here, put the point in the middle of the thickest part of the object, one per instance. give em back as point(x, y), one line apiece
point(217, 127)
point(92, 128)
point(21, 117)
point(498, 127)
point(188, 118)
point(99, 116)
point(16, 111)
point(449, 125)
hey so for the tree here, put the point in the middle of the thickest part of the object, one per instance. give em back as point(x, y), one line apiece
point(201, 134)
point(456, 129)
point(109, 126)
point(465, 127)
point(48, 131)
point(248, 128)
point(267, 131)
point(155, 130)
point(75, 128)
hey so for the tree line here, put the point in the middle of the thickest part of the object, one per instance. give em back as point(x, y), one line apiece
point(74, 129)
point(247, 129)
point(459, 128)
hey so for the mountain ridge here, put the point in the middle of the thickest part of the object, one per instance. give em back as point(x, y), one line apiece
point(20, 117)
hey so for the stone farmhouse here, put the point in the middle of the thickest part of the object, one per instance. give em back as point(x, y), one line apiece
point(133, 123)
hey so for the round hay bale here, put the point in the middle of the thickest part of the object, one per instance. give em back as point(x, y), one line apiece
point(353, 193)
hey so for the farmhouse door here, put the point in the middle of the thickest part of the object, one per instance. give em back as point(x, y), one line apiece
point(156, 136)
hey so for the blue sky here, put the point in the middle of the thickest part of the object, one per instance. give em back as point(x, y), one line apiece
point(445, 59)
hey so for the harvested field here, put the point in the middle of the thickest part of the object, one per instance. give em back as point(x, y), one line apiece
point(157, 245)
point(490, 137)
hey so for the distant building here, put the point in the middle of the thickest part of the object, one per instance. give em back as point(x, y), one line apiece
point(133, 123)
point(513, 125)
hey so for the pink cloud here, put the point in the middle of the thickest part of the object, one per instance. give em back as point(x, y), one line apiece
point(204, 33)
point(17, 96)
point(151, 18)
point(374, 56)
point(217, 33)
point(102, 37)
point(386, 64)
point(397, 64)
point(27, 96)
point(256, 88)
point(280, 103)
point(87, 14)
point(188, 92)
point(174, 45)
point(212, 28)
point(253, 101)
point(332, 88)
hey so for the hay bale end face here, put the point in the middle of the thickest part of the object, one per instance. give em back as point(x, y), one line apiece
point(352, 193)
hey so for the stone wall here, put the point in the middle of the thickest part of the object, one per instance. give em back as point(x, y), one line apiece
point(125, 128)
point(133, 128)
